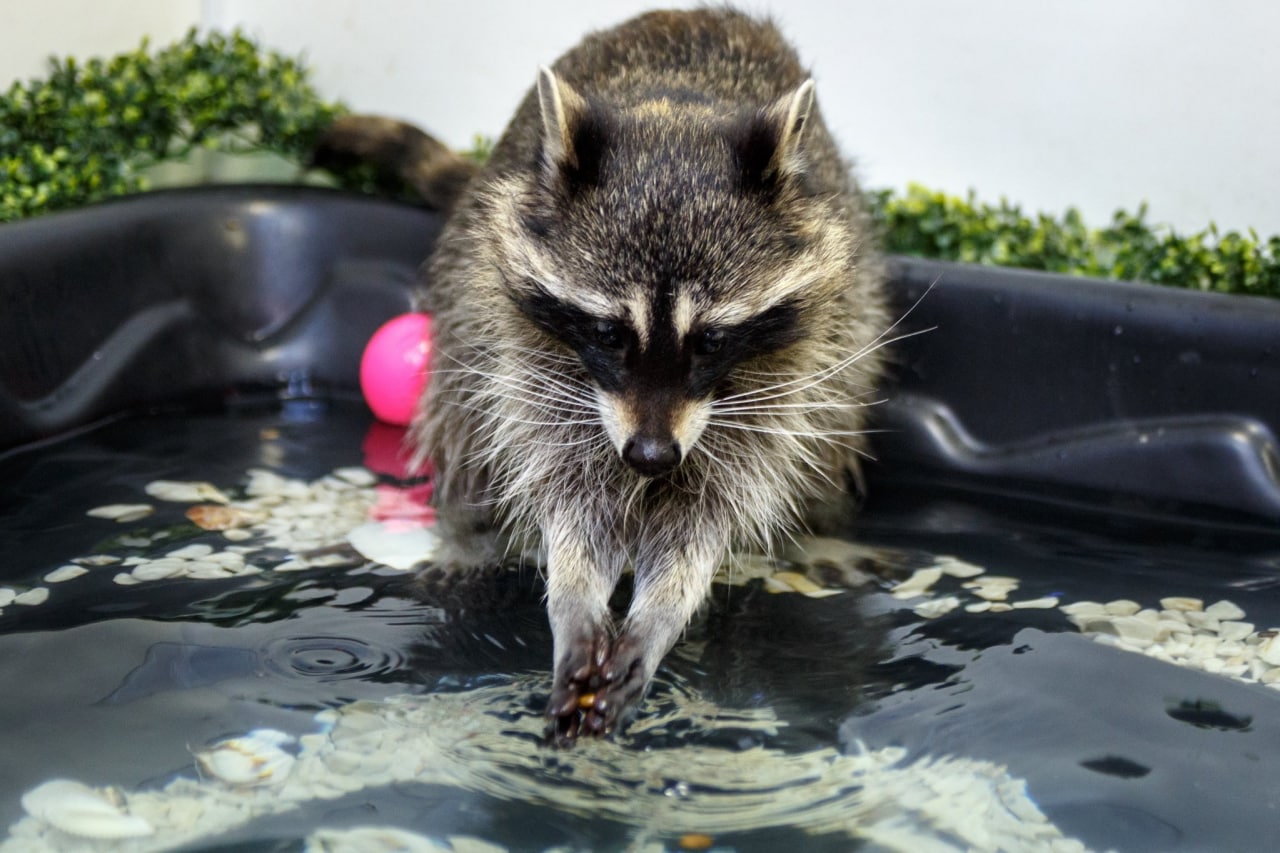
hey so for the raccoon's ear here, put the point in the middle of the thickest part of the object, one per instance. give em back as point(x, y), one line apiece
point(799, 105)
point(572, 132)
point(771, 146)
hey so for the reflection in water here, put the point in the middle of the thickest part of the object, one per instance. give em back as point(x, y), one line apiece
point(486, 741)
point(182, 666)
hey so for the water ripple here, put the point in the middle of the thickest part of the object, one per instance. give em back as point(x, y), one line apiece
point(329, 659)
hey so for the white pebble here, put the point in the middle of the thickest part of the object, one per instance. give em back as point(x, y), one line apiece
point(81, 811)
point(65, 573)
point(1269, 651)
point(123, 513)
point(398, 545)
point(1084, 608)
point(959, 568)
point(1122, 607)
point(7, 595)
point(171, 490)
point(1181, 603)
point(327, 560)
point(1229, 650)
point(1225, 610)
point(202, 571)
point(158, 570)
point(35, 595)
point(255, 759)
point(936, 607)
point(356, 476)
point(97, 560)
point(998, 580)
point(191, 552)
point(1235, 631)
point(1169, 632)
point(1043, 603)
point(978, 607)
point(992, 587)
point(918, 584)
point(125, 579)
point(176, 563)
point(1135, 630)
point(1203, 646)
point(1205, 621)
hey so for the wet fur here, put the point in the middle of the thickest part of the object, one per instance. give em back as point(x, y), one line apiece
point(651, 176)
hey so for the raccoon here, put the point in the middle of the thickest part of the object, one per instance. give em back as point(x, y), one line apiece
point(658, 322)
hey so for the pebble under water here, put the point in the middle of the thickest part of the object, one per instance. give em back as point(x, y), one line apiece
point(209, 664)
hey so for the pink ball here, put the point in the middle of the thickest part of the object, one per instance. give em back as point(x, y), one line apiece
point(394, 368)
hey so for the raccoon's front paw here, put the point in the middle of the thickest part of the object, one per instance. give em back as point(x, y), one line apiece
point(625, 679)
point(574, 707)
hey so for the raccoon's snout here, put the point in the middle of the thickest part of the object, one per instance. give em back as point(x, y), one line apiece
point(651, 456)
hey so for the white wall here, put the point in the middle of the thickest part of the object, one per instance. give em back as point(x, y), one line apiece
point(33, 30)
point(1095, 103)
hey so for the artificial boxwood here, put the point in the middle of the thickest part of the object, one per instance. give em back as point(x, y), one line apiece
point(99, 129)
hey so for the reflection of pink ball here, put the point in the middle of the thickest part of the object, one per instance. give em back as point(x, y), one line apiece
point(393, 371)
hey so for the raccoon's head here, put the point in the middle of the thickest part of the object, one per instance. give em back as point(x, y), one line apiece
point(668, 241)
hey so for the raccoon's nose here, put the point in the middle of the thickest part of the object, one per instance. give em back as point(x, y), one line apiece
point(651, 456)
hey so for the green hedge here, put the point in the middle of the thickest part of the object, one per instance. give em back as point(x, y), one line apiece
point(91, 131)
point(930, 224)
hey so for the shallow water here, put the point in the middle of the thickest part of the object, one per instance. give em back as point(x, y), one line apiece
point(782, 719)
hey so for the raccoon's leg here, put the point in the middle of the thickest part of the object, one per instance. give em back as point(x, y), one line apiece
point(580, 580)
point(471, 544)
point(670, 587)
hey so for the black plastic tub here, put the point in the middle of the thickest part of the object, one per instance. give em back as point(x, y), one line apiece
point(1084, 443)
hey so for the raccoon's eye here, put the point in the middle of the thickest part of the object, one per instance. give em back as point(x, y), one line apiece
point(609, 334)
point(708, 341)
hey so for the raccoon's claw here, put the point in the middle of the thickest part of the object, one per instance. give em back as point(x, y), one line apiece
point(625, 679)
point(575, 705)
point(596, 683)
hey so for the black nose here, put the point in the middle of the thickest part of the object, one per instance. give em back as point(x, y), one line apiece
point(651, 456)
